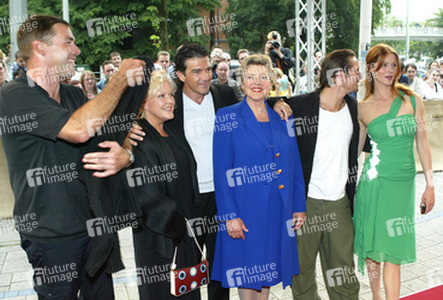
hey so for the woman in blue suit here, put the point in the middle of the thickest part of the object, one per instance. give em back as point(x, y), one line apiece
point(259, 190)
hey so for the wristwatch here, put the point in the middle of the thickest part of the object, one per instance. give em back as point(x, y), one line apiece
point(131, 157)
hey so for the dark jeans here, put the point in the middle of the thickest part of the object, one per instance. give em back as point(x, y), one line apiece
point(59, 271)
point(207, 208)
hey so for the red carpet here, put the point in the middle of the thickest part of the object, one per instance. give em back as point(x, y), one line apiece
point(435, 293)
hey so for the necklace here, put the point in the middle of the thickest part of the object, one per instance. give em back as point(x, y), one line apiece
point(342, 104)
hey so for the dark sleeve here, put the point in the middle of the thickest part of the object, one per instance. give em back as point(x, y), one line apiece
point(272, 100)
point(288, 59)
point(238, 93)
point(47, 116)
point(233, 96)
point(159, 211)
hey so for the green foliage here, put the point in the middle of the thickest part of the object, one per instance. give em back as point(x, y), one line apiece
point(436, 48)
point(142, 38)
point(255, 19)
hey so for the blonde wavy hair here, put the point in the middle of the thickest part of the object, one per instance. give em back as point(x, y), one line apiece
point(156, 80)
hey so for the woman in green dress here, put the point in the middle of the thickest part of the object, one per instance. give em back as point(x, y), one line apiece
point(392, 115)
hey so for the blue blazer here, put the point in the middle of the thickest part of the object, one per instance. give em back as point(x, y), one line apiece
point(246, 167)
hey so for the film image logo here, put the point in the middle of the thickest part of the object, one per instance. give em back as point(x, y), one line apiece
point(435, 276)
point(148, 275)
point(50, 75)
point(49, 175)
point(14, 124)
point(23, 223)
point(330, 24)
point(199, 26)
point(200, 226)
point(300, 126)
point(250, 175)
point(340, 276)
point(55, 274)
point(431, 121)
point(400, 126)
point(107, 25)
point(8, 24)
point(101, 226)
point(138, 76)
point(116, 123)
point(249, 275)
point(400, 226)
point(148, 175)
point(204, 126)
point(314, 224)
point(340, 76)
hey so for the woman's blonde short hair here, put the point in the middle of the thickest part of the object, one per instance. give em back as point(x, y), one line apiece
point(256, 60)
point(156, 80)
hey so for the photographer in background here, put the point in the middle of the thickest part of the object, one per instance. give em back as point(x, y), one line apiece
point(281, 57)
point(216, 57)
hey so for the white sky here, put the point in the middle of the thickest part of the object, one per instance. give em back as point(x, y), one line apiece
point(419, 10)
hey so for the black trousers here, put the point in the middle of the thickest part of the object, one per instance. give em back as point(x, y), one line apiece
point(207, 210)
point(59, 271)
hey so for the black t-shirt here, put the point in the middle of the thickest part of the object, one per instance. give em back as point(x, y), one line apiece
point(50, 201)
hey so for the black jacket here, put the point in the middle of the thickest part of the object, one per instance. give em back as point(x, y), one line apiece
point(287, 62)
point(308, 105)
point(222, 95)
point(109, 197)
point(163, 209)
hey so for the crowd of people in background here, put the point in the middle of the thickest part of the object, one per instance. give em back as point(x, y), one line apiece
point(286, 180)
point(429, 85)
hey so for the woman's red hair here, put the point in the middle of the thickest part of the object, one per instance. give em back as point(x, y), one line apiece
point(376, 57)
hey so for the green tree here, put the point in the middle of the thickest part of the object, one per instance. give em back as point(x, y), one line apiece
point(159, 25)
point(436, 48)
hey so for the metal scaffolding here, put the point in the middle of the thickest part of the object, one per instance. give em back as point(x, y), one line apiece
point(310, 37)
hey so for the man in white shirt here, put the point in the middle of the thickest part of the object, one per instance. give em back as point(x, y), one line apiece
point(197, 102)
point(327, 131)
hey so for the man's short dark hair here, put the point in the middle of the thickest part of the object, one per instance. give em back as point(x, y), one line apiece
point(187, 52)
point(114, 53)
point(36, 27)
point(411, 66)
point(338, 60)
point(107, 62)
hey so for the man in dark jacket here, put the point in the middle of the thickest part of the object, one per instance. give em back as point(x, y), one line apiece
point(197, 102)
point(327, 131)
point(281, 57)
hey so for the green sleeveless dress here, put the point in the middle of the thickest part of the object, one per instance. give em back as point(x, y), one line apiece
point(385, 199)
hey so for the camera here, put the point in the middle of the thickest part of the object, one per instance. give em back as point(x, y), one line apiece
point(275, 44)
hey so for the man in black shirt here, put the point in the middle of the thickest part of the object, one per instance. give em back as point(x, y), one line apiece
point(44, 125)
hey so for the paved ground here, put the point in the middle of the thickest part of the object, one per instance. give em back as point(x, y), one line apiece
point(426, 272)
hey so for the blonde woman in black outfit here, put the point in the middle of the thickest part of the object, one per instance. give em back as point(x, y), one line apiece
point(165, 194)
